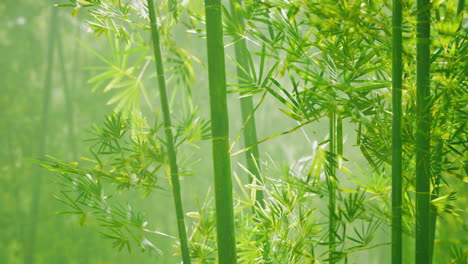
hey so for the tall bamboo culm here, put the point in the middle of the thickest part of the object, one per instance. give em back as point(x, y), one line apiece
point(252, 156)
point(423, 120)
point(397, 85)
point(68, 94)
point(30, 250)
point(460, 7)
point(226, 241)
point(331, 180)
point(174, 170)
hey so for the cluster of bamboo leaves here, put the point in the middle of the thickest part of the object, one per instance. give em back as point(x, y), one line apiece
point(320, 60)
point(125, 155)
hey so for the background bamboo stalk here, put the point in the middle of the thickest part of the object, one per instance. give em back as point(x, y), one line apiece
point(397, 85)
point(68, 94)
point(252, 155)
point(30, 250)
point(169, 136)
point(423, 119)
point(226, 241)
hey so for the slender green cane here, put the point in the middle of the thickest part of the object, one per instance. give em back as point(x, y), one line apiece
point(67, 91)
point(397, 84)
point(331, 180)
point(169, 137)
point(252, 155)
point(339, 136)
point(461, 6)
point(437, 169)
point(423, 120)
point(30, 250)
point(220, 134)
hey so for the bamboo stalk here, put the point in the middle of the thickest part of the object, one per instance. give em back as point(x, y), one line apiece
point(252, 155)
point(169, 136)
point(331, 179)
point(423, 119)
point(435, 194)
point(339, 136)
point(30, 250)
point(226, 241)
point(397, 85)
point(67, 91)
point(461, 6)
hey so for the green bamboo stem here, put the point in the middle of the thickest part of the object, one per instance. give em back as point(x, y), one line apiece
point(338, 161)
point(226, 241)
point(397, 85)
point(30, 250)
point(78, 59)
point(67, 91)
point(339, 136)
point(423, 119)
point(435, 194)
point(68, 100)
point(331, 180)
point(16, 188)
point(252, 155)
point(169, 136)
point(461, 6)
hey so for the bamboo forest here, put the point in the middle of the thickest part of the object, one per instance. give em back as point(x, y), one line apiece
point(255, 131)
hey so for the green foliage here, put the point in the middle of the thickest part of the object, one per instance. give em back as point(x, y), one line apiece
point(291, 220)
point(83, 192)
point(125, 153)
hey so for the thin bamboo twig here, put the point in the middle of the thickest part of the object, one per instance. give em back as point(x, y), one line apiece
point(169, 136)
point(397, 85)
point(423, 123)
point(30, 251)
point(226, 241)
